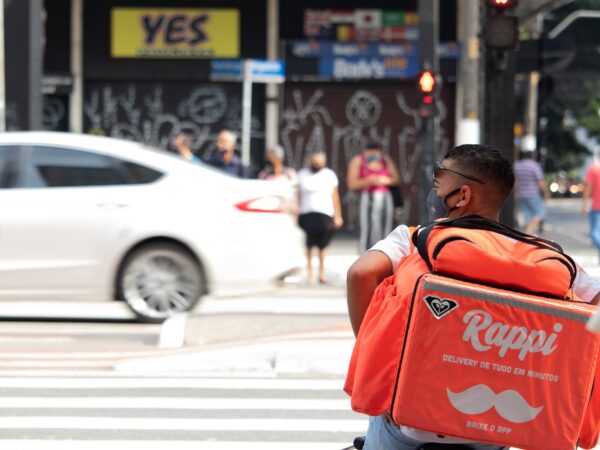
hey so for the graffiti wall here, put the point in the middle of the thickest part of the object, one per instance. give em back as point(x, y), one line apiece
point(153, 113)
point(340, 118)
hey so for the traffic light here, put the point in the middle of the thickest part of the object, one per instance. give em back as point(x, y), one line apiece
point(427, 85)
point(503, 4)
point(501, 27)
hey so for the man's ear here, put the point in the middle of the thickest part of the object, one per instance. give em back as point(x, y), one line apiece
point(466, 195)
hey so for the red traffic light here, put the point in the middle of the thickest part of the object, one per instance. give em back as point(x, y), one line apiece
point(427, 82)
point(502, 4)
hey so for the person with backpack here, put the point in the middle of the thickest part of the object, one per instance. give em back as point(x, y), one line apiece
point(471, 184)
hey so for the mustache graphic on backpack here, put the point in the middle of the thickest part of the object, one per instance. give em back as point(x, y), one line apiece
point(509, 404)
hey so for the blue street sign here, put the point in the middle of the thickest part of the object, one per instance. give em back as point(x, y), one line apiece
point(267, 71)
point(226, 69)
point(261, 71)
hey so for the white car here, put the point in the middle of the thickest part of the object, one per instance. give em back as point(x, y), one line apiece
point(92, 218)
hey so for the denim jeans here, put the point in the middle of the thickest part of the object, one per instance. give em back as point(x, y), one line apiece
point(595, 227)
point(382, 435)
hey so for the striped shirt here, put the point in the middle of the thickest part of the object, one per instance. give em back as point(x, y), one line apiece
point(528, 174)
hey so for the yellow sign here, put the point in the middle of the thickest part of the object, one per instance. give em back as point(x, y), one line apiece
point(175, 33)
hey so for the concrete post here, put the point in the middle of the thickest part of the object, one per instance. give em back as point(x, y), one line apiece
point(272, 90)
point(76, 99)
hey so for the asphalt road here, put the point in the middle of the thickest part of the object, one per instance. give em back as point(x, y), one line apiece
point(565, 225)
point(259, 372)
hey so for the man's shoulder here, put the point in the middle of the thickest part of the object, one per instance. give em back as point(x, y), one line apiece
point(400, 233)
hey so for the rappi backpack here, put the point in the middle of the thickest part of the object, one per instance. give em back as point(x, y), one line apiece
point(477, 336)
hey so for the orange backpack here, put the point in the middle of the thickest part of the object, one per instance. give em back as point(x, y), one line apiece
point(472, 338)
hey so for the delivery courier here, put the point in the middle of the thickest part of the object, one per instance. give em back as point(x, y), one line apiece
point(476, 334)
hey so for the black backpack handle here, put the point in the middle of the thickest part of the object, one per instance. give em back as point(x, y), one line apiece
point(474, 222)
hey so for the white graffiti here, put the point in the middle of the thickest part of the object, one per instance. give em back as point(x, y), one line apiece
point(53, 113)
point(363, 109)
point(308, 126)
point(206, 105)
point(141, 115)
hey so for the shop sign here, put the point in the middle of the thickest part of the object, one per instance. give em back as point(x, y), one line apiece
point(261, 71)
point(354, 68)
point(324, 49)
point(361, 24)
point(328, 49)
point(175, 33)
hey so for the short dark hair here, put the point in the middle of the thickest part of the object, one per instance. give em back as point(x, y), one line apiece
point(485, 162)
point(373, 145)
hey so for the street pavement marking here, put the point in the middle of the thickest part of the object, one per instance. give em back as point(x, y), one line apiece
point(100, 354)
point(88, 329)
point(162, 445)
point(293, 305)
point(66, 309)
point(175, 403)
point(264, 418)
point(58, 364)
point(172, 331)
point(165, 383)
point(230, 424)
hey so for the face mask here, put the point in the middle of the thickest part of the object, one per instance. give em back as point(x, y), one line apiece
point(372, 158)
point(314, 168)
point(436, 205)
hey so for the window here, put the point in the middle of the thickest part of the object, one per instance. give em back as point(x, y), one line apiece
point(138, 174)
point(8, 166)
point(58, 167)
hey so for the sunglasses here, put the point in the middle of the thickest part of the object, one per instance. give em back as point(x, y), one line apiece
point(437, 168)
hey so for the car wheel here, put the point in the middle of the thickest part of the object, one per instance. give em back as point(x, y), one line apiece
point(159, 280)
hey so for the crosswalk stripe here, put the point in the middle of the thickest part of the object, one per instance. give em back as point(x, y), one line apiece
point(16, 356)
point(308, 305)
point(230, 424)
point(189, 383)
point(175, 403)
point(229, 413)
point(162, 445)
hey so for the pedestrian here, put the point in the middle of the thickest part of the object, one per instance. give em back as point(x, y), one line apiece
point(225, 158)
point(530, 191)
point(592, 191)
point(471, 180)
point(182, 144)
point(372, 173)
point(275, 168)
point(320, 209)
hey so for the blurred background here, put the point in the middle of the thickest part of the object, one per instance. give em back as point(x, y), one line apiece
point(113, 187)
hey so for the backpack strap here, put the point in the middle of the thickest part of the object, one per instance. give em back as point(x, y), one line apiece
point(475, 222)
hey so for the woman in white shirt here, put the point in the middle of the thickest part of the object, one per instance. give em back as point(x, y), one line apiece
point(320, 209)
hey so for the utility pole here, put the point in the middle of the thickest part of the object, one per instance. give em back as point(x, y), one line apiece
point(272, 89)
point(428, 52)
point(23, 27)
point(500, 39)
point(76, 98)
point(467, 89)
point(2, 76)
point(36, 63)
point(532, 97)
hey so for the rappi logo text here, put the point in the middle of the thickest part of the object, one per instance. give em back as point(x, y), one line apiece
point(484, 334)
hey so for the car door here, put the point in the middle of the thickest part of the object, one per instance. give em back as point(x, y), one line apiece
point(62, 216)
